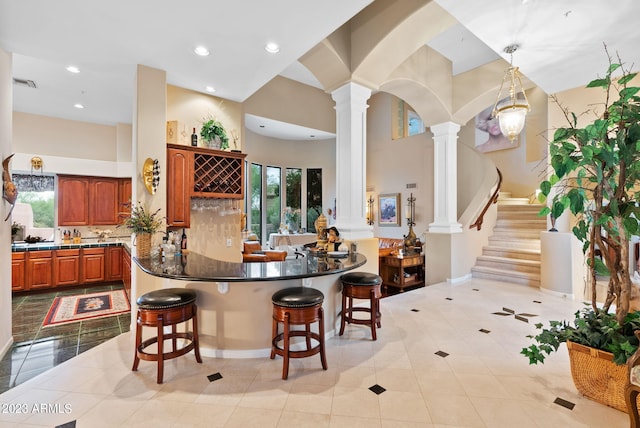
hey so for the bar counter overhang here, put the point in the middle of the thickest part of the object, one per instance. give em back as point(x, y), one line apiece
point(234, 299)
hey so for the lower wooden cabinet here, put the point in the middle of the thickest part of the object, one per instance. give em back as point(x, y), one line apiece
point(126, 273)
point(18, 280)
point(113, 263)
point(92, 265)
point(33, 270)
point(66, 267)
point(39, 269)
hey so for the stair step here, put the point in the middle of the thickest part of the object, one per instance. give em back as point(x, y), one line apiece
point(513, 253)
point(531, 244)
point(504, 263)
point(513, 201)
point(537, 224)
point(523, 278)
point(519, 215)
point(516, 233)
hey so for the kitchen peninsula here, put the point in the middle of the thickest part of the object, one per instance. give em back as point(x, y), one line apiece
point(234, 299)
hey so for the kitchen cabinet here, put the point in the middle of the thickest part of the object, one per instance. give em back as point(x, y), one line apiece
point(39, 267)
point(124, 198)
point(402, 272)
point(66, 267)
point(179, 167)
point(103, 201)
point(73, 201)
point(113, 263)
point(90, 201)
point(92, 265)
point(18, 280)
point(126, 272)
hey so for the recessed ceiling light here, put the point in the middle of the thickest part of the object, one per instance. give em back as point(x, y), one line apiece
point(272, 48)
point(201, 50)
point(78, 105)
point(210, 89)
point(73, 69)
point(261, 126)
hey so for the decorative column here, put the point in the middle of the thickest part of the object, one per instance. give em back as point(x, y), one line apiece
point(351, 161)
point(445, 183)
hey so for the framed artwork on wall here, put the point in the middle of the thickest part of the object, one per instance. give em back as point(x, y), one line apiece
point(389, 209)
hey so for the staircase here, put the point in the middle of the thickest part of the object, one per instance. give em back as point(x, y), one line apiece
point(513, 253)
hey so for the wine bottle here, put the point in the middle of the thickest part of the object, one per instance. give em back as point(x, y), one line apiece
point(183, 242)
point(194, 138)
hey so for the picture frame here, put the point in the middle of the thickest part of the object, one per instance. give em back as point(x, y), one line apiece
point(389, 209)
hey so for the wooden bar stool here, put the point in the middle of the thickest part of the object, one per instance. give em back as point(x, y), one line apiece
point(361, 285)
point(297, 306)
point(160, 308)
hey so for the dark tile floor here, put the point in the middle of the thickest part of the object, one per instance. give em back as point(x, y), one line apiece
point(38, 349)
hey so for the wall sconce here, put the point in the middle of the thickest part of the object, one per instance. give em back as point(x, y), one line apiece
point(370, 210)
point(513, 111)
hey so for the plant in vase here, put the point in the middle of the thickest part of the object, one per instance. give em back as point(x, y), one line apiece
point(292, 219)
point(595, 169)
point(214, 133)
point(143, 223)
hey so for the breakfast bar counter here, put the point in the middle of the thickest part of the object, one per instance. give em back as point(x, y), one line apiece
point(234, 299)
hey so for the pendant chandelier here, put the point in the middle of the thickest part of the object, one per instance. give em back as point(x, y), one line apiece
point(512, 111)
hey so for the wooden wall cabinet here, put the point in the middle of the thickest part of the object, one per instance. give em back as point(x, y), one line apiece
point(39, 265)
point(73, 201)
point(66, 267)
point(103, 201)
point(179, 183)
point(92, 265)
point(124, 198)
point(89, 201)
point(200, 173)
point(18, 280)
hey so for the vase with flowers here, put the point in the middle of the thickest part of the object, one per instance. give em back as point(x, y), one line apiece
point(143, 224)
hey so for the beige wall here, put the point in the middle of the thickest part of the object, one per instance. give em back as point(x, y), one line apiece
point(293, 102)
point(191, 109)
point(64, 138)
point(6, 97)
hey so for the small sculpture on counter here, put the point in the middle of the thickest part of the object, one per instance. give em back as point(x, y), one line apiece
point(333, 241)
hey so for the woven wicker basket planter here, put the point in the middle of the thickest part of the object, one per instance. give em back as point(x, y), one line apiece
point(142, 242)
point(597, 377)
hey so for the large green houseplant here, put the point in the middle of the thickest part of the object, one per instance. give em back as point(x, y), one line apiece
point(213, 131)
point(596, 169)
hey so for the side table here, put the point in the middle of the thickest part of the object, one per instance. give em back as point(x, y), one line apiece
point(402, 272)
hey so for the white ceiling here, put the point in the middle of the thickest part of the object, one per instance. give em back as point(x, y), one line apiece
point(561, 46)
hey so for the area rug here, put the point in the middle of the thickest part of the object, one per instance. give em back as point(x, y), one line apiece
point(68, 309)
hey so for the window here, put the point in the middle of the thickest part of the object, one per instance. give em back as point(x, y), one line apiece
point(35, 205)
point(292, 208)
point(314, 197)
point(293, 188)
point(273, 202)
point(256, 199)
point(405, 121)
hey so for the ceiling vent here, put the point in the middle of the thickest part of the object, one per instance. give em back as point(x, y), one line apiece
point(25, 82)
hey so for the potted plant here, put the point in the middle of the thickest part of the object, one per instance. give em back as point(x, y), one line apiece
point(213, 133)
point(15, 228)
point(142, 223)
point(595, 171)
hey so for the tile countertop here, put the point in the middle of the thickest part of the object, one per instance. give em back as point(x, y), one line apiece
point(17, 247)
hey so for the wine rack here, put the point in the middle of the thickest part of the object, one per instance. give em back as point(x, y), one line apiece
point(216, 173)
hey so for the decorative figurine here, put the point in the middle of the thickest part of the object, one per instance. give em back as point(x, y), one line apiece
point(9, 190)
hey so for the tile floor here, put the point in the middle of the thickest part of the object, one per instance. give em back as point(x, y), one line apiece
point(445, 357)
point(38, 349)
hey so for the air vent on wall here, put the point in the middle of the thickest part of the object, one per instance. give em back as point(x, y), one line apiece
point(25, 82)
point(371, 188)
point(411, 185)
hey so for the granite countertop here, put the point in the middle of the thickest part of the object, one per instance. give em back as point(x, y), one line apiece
point(23, 246)
point(195, 267)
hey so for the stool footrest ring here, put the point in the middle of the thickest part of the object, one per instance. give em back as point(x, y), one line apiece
point(146, 356)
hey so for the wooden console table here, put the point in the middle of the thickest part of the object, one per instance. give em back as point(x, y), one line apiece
point(402, 272)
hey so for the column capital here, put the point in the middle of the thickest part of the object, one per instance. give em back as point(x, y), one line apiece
point(351, 92)
point(445, 128)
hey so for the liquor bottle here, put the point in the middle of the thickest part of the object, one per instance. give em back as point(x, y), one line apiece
point(183, 242)
point(194, 138)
